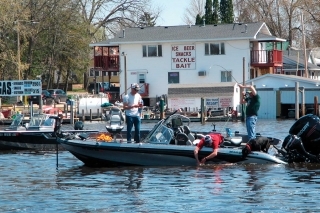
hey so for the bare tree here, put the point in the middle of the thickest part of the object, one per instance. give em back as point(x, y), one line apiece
point(312, 15)
point(195, 8)
point(113, 15)
point(281, 16)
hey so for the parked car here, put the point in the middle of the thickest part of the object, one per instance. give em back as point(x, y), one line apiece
point(58, 95)
point(45, 97)
point(99, 87)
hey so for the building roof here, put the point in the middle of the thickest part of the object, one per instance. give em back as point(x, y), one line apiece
point(192, 33)
point(290, 63)
point(285, 77)
point(202, 90)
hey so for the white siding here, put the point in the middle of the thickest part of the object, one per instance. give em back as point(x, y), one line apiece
point(157, 68)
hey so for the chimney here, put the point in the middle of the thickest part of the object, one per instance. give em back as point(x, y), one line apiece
point(123, 33)
point(204, 22)
point(246, 28)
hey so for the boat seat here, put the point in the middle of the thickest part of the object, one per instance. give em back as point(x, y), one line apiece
point(182, 139)
point(115, 123)
point(187, 131)
point(116, 117)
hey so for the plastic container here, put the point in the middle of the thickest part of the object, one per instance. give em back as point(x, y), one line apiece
point(91, 103)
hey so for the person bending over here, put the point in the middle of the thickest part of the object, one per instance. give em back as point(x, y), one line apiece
point(211, 140)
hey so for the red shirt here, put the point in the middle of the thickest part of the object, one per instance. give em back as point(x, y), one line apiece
point(216, 141)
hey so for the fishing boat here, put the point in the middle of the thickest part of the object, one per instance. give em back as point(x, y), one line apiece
point(169, 143)
point(38, 134)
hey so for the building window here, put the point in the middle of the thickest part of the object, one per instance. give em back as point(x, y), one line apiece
point(173, 77)
point(214, 49)
point(151, 50)
point(142, 78)
point(93, 72)
point(226, 76)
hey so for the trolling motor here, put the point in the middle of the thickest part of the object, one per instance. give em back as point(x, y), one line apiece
point(214, 127)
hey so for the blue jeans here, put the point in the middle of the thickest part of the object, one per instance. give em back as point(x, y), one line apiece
point(136, 121)
point(251, 126)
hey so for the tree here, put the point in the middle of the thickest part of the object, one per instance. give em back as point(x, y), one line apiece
point(208, 12)
point(215, 12)
point(226, 11)
point(199, 20)
point(281, 16)
point(195, 11)
point(147, 20)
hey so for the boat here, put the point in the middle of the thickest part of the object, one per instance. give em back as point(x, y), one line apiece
point(38, 134)
point(169, 143)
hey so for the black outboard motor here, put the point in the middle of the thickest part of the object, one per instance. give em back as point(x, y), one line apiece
point(78, 125)
point(308, 129)
point(296, 152)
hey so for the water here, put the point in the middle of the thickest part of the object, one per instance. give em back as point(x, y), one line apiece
point(31, 182)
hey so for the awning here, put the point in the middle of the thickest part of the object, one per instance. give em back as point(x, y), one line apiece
point(209, 90)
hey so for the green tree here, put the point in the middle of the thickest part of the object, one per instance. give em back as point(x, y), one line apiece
point(208, 12)
point(215, 12)
point(199, 20)
point(226, 11)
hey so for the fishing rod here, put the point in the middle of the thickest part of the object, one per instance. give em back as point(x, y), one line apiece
point(228, 71)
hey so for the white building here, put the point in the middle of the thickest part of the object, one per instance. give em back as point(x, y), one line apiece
point(186, 63)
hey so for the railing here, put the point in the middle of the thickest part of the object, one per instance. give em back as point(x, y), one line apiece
point(266, 57)
point(107, 62)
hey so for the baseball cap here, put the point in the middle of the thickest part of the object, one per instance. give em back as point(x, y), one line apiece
point(135, 86)
point(207, 140)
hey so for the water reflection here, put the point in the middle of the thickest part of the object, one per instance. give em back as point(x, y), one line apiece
point(131, 177)
point(308, 173)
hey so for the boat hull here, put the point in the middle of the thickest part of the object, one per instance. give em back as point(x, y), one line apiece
point(97, 154)
point(39, 140)
point(28, 141)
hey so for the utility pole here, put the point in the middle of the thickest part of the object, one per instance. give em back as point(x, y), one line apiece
point(306, 73)
point(243, 111)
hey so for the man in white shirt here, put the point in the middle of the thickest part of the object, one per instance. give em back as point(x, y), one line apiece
point(131, 104)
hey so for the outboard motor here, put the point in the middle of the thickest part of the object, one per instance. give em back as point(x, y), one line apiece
point(307, 128)
point(78, 125)
point(296, 152)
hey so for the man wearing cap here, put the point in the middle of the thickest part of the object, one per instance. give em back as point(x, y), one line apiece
point(253, 104)
point(131, 104)
point(211, 140)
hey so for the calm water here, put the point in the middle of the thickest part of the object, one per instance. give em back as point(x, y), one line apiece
point(31, 182)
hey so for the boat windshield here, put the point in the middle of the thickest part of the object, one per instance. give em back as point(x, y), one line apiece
point(38, 119)
point(162, 135)
point(17, 120)
point(163, 131)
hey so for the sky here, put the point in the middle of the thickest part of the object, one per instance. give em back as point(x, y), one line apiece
point(172, 11)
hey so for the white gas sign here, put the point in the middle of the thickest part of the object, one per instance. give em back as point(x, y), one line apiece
point(18, 88)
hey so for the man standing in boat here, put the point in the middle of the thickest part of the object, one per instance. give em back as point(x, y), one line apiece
point(253, 104)
point(131, 104)
point(211, 140)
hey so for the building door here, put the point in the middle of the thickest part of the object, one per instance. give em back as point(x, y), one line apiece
point(268, 106)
